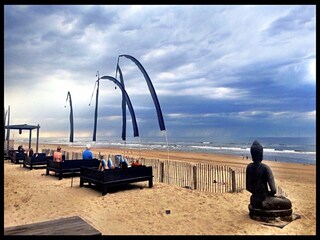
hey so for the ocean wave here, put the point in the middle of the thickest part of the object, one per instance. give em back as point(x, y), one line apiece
point(288, 152)
point(270, 150)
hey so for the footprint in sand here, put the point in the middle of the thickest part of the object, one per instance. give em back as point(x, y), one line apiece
point(25, 199)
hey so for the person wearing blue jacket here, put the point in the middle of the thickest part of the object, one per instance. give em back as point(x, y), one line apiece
point(87, 154)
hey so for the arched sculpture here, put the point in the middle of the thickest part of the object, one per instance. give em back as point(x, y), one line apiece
point(71, 116)
point(127, 100)
point(151, 89)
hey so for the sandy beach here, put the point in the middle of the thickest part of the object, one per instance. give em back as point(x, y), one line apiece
point(30, 196)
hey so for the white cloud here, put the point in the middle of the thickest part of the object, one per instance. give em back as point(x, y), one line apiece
point(213, 92)
point(160, 53)
point(311, 77)
point(200, 52)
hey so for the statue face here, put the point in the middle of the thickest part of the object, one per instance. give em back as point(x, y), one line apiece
point(256, 151)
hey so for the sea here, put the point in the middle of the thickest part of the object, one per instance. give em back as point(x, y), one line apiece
point(282, 149)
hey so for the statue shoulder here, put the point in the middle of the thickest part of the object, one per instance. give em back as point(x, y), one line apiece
point(265, 165)
point(250, 165)
point(266, 168)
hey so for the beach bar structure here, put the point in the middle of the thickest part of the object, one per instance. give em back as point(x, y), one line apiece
point(21, 127)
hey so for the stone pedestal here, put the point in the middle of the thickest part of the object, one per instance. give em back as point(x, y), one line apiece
point(270, 215)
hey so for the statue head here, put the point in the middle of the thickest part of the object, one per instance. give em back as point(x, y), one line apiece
point(256, 151)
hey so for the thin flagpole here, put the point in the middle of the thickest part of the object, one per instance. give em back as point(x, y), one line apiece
point(165, 133)
point(139, 148)
point(94, 87)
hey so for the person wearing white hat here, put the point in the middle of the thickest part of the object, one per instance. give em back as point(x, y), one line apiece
point(87, 154)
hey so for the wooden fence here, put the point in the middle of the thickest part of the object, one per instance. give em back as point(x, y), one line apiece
point(200, 176)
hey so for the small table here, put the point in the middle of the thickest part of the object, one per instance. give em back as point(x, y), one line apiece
point(63, 226)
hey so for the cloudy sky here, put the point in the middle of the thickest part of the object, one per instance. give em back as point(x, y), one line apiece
point(219, 71)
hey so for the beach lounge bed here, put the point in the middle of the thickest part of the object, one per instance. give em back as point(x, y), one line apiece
point(18, 157)
point(38, 160)
point(9, 154)
point(114, 177)
point(70, 166)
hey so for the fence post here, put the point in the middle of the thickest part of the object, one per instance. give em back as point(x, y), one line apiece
point(161, 171)
point(233, 176)
point(195, 177)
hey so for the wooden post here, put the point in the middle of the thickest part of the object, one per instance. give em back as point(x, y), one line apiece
point(161, 171)
point(30, 131)
point(233, 181)
point(37, 143)
point(195, 177)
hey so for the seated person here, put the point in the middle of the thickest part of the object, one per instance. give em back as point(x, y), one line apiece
point(87, 154)
point(20, 149)
point(117, 160)
point(121, 162)
point(30, 152)
point(104, 165)
point(124, 163)
point(136, 163)
point(258, 177)
point(57, 155)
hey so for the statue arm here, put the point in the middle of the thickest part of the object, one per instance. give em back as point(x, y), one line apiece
point(271, 182)
point(248, 181)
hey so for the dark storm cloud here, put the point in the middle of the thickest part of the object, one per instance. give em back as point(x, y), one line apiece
point(227, 70)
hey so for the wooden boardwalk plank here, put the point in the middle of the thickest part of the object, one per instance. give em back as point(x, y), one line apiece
point(63, 226)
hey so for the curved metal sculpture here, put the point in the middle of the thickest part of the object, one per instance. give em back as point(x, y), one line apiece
point(71, 116)
point(151, 89)
point(127, 101)
point(8, 131)
point(96, 110)
point(124, 115)
point(4, 121)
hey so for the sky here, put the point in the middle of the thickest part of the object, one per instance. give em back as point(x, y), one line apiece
point(218, 71)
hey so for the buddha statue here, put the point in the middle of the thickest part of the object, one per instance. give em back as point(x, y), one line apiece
point(264, 204)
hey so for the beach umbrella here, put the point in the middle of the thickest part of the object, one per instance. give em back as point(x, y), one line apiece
point(71, 116)
point(127, 100)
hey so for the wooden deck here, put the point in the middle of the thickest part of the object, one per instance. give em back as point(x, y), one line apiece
point(63, 226)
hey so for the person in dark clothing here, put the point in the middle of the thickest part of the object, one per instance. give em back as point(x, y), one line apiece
point(30, 152)
point(20, 149)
